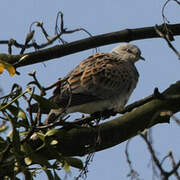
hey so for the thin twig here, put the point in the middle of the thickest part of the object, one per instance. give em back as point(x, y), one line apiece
point(177, 120)
point(163, 9)
point(29, 104)
point(133, 174)
point(167, 38)
point(53, 85)
point(50, 40)
point(159, 164)
point(155, 159)
point(84, 171)
point(164, 158)
point(29, 37)
point(174, 165)
point(59, 122)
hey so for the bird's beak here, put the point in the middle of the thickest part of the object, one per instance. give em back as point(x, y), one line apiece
point(142, 58)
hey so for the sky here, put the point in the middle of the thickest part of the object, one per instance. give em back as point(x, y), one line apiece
point(160, 69)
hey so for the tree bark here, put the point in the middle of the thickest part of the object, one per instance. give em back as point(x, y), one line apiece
point(79, 141)
point(58, 51)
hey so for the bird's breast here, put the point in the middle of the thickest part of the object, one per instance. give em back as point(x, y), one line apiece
point(92, 107)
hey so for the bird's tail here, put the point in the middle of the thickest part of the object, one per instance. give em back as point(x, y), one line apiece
point(34, 109)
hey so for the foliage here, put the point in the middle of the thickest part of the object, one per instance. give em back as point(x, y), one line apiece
point(16, 154)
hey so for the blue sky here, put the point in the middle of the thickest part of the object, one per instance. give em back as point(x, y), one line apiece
point(160, 69)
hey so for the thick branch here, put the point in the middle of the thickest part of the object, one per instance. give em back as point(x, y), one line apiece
point(82, 140)
point(126, 35)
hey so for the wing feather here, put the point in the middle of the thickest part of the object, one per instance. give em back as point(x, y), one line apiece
point(100, 76)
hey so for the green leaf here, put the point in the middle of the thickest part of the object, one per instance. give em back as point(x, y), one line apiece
point(28, 161)
point(52, 132)
point(70, 161)
point(21, 114)
point(9, 67)
point(54, 142)
point(3, 145)
point(18, 113)
point(37, 158)
point(10, 134)
point(3, 128)
point(74, 162)
point(16, 140)
point(66, 167)
point(13, 109)
point(41, 136)
point(45, 103)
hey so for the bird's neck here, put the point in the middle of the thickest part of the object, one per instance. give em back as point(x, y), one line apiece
point(124, 57)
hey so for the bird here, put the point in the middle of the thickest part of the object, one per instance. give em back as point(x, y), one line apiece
point(103, 81)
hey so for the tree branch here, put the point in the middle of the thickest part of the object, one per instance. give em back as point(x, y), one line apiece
point(78, 141)
point(126, 35)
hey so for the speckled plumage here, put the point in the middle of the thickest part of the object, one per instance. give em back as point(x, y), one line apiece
point(101, 76)
point(102, 81)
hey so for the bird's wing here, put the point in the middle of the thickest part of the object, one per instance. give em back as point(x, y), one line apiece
point(100, 76)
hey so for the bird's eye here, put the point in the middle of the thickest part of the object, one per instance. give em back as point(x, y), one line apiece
point(129, 51)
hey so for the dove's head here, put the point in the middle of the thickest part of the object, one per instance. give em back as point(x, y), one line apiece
point(128, 52)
